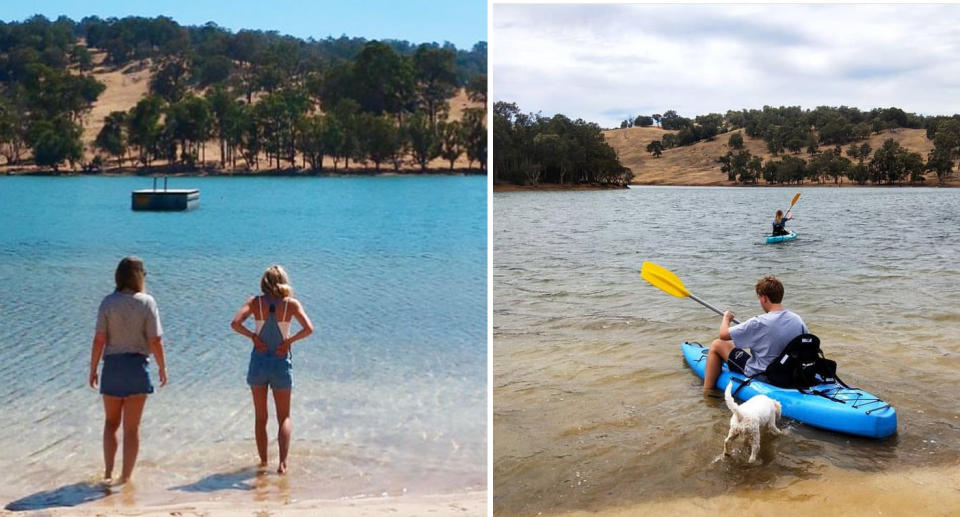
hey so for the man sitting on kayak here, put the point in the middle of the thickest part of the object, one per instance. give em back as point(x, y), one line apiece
point(766, 336)
point(779, 221)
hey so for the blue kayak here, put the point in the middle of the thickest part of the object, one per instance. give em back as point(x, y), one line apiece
point(830, 406)
point(781, 238)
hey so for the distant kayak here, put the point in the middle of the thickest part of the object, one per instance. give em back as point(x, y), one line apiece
point(781, 238)
point(830, 406)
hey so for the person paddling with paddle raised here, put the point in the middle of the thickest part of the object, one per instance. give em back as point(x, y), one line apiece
point(766, 336)
point(779, 223)
point(780, 219)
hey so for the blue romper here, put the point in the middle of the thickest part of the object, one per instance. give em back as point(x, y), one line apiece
point(268, 368)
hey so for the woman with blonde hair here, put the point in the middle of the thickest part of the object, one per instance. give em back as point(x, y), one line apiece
point(128, 331)
point(271, 359)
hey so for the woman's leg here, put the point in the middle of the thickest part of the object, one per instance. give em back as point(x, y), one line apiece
point(132, 411)
point(285, 427)
point(260, 421)
point(112, 407)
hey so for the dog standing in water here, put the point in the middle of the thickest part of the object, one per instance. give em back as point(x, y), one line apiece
point(750, 418)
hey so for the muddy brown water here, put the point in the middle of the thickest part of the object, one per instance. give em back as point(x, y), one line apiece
point(594, 408)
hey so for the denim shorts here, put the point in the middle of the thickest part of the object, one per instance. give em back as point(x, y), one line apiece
point(269, 370)
point(124, 375)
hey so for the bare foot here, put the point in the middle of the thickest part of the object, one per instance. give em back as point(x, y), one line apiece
point(282, 469)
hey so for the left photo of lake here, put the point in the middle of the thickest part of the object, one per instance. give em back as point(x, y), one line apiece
point(243, 259)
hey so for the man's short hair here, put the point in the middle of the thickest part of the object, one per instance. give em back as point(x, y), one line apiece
point(770, 287)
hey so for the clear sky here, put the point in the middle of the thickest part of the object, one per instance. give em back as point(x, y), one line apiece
point(461, 22)
point(604, 63)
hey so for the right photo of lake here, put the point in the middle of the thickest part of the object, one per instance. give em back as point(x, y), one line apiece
point(726, 269)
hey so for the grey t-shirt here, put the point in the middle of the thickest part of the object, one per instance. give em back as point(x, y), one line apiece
point(129, 320)
point(766, 336)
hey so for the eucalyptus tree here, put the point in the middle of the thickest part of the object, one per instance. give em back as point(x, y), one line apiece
point(735, 141)
point(475, 135)
point(424, 141)
point(55, 141)
point(655, 148)
point(382, 80)
point(451, 141)
point(477, 89)
point(143, 127)
point(436, 77)
point(112, 137)
point(224, 110)
point(381, 137)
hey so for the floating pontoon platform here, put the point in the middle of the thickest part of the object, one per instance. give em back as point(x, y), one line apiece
point(165, 199)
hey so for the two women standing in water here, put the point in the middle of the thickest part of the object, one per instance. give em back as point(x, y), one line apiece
point(128, 331)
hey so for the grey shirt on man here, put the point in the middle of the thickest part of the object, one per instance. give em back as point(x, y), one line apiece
point(766, 336)
point(129, 320)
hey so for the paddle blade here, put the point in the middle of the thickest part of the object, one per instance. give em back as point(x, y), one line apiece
point(664, 279)
point(795, 198)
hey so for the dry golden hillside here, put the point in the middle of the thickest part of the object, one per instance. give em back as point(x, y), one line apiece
point(126, 86)
point(697, 164)
point(123, 89)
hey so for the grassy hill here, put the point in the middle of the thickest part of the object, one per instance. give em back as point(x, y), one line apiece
point(127, 85)
point(697, 164)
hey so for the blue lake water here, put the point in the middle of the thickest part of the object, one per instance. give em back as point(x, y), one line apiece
point(389, 393)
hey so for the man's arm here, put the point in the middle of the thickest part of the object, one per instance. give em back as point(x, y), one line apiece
point(724, 333)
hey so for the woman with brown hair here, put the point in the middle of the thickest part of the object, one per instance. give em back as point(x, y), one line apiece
point(271, 361)
point(780, 222)
point(128, 331)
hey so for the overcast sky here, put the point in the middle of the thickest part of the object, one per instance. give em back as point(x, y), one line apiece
point(603, 63)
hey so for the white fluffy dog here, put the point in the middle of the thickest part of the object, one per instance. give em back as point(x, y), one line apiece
point(749, 418)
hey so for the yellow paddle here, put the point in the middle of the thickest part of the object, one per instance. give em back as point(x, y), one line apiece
point(667, 281)
point(795, 198)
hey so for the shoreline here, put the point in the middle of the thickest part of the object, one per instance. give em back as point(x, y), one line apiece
point(200, 173)
point(506, 187)
point(467, 503)
point(946, 184)
point(555, 187)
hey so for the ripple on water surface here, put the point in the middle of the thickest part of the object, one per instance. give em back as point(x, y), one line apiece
point(593, 405)
point(389, 392)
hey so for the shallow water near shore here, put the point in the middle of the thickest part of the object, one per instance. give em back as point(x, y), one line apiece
point(594, 408)
point(389, 393)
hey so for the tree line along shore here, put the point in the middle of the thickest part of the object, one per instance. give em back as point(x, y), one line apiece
point(770, 146)
point(136, 95)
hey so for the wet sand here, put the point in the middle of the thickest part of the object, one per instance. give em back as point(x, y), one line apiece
point(928, 492)
point(462, 504)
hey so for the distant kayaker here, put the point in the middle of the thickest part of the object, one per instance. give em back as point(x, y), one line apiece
point(766, 336)
point(779, 221)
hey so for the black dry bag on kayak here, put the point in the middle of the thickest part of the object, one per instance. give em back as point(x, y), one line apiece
point(801, 365)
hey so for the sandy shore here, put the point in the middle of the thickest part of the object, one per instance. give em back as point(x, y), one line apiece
point(926, 492)
point(461, 504)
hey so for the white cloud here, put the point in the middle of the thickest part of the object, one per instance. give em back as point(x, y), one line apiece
point(605, 62)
